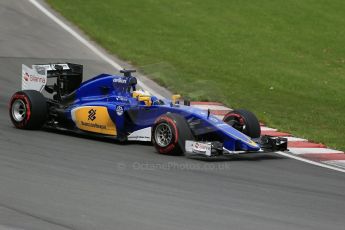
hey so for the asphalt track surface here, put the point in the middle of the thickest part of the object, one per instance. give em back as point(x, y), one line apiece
point(55, 181)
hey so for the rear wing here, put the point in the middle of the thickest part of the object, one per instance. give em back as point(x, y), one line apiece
point(36, 77)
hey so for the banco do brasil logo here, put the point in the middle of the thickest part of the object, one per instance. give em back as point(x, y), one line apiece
point(92, 114)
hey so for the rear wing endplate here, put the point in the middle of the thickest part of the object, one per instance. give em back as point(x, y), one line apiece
point(36, 77)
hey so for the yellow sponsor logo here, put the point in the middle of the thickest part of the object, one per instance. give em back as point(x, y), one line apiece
point(94, 119)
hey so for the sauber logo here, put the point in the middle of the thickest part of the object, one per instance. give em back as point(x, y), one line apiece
point(26, 77)
point(33, 78)
point(92, 114)
point(201, 147)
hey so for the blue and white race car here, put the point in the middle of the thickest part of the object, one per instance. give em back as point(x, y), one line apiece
point(53, 96)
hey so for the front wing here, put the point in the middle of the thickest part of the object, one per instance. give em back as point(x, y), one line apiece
point(215, 148)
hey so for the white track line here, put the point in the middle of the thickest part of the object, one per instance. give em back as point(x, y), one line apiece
point(264, 128)
point(291, 139)
point(75, 34)
point(337, 163)
point(298, 151)
point(93, 48)
point(311, 162)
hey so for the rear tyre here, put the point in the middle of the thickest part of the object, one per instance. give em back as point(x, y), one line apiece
point(244, 121)
point(28, 109)
point(170, 133)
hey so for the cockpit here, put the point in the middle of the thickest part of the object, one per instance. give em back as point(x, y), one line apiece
point(143, 97)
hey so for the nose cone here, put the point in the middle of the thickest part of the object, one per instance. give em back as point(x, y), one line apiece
point(235, 139)
point(252, 146)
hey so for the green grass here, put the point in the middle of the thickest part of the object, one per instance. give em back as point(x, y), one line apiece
point(282, 59)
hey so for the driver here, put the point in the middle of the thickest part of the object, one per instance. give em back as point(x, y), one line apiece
point(144, 97)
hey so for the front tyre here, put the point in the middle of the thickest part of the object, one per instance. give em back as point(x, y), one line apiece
point(28, 109)
point(170, 133)
point(244, 121)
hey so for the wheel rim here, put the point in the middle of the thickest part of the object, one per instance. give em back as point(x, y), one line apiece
point(237, 122)
point(163, 135)
point(18, 110)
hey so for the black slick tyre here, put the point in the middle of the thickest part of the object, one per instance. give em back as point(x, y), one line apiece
point(170, 133)
point(28, 109)
point(244, 121)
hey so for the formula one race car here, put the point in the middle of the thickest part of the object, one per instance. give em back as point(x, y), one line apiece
point(112, 106)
